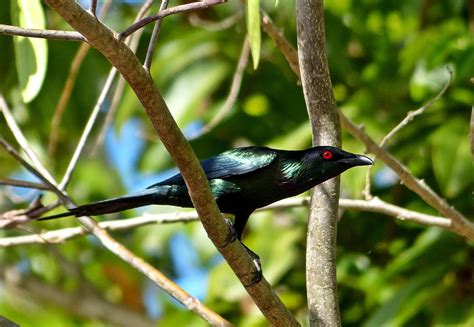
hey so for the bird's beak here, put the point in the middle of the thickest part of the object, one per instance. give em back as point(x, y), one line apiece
point(358, 160)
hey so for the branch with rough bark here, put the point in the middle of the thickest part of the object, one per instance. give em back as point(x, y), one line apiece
point(37, 169)
point(118, 53)
point(321, 281)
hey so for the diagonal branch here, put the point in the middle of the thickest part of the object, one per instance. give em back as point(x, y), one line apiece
point(87, 130)
point(412, 114)
point(460, 224)
point(233, 92)
point(141, 82)
point(91, 225)
point(69, 86)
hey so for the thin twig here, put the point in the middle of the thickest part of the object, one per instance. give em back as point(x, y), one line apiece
point(214, 26)
point(93, 7)
point(286, 48)
point(24, 184)
point(30, 168)
point(154, 38)
point(170, 11)
point(412, 114)
point(43, 34)
point(408, 118)
point(69, 86)
point(460, 225)
point(22, 140)
point(132, 42)
point(87, 129)
point(374, 205)
point(65, 96)
point(233, 92)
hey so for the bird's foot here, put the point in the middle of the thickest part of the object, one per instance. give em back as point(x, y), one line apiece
point(257, 274)
point(231, 235)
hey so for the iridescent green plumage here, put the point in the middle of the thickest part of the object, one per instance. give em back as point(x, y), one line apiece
point(241, 181)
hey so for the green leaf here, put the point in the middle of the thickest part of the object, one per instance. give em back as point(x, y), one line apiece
point(411, 298)
point(425, 81)
point(253, 29)
point(451, 157)
point(31, 55)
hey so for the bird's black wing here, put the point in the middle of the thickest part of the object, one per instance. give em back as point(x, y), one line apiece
point(234, 162)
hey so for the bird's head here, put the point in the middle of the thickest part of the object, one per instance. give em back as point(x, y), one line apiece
point(325, 162)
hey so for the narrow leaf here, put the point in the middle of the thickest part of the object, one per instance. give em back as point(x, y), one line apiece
point(31, 55)
point(253, 29)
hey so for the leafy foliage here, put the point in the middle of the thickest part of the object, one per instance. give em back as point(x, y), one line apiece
point(386, 58)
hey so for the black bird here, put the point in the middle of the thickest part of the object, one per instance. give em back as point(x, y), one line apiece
point(241, 181)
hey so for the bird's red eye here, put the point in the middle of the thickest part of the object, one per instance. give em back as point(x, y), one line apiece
point(327, 155)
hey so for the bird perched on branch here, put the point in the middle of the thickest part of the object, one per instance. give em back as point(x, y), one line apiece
point(241, 180)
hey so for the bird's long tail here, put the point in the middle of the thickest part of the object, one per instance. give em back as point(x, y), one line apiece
point(135, 200)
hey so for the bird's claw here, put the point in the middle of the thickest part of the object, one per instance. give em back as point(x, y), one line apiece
point(231, 235)
point(257, 274)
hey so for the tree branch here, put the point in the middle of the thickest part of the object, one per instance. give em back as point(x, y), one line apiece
point(25, 184)
point(126, 62)
point(91, 225)
point(43, 34)
point(374, 205)
point(233, 92)
point(408, 118)
point(322, 226)
point(154, 38)
point(170, 11)
point(460, 225)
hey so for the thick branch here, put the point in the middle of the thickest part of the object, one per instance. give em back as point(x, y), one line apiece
point(128, 65)
point(91, 225)
point(322, 226)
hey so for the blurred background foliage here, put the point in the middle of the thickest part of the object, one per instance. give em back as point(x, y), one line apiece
point(386, 58)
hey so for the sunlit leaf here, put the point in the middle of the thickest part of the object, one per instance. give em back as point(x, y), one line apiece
point(253, 29)
point(31, 54)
